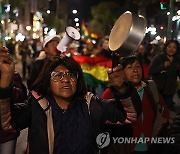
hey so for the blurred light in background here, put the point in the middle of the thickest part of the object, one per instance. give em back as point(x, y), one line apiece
point(48, 11)
point(20, 37)
point(28, 28)
point(158, 38)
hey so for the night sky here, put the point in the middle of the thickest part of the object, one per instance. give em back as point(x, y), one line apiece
point(84, 6)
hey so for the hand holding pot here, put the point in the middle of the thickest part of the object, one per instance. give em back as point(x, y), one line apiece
point(116, 78)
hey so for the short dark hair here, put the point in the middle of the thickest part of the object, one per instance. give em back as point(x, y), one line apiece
point(43, 81)
point(131, 59)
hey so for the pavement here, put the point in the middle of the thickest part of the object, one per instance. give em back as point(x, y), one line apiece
point(22, 139)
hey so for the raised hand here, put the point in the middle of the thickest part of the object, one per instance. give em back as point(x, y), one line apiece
point(116, 78)
point(6, 68)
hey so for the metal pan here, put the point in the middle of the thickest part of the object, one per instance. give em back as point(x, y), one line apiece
point(127, 33)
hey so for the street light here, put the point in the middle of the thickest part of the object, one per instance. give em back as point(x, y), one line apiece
point(77, 24)
point(76, 19)
point(74, 11)
point(48, 11)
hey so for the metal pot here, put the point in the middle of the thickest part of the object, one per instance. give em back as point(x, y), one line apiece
point(127, 33)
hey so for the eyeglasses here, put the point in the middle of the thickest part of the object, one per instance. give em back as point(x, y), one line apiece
point(58, 76)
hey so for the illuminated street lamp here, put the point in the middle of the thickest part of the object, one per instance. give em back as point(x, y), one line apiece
point(74, 11)
point(48, 11)
point(76, 19)
point(77, 24)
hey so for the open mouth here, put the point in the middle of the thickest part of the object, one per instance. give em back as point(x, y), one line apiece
point(65, 87)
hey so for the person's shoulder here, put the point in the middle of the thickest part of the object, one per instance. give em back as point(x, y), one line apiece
point(107, 94)
point(38, 62)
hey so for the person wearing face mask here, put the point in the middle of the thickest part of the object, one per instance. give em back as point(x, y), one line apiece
point(164, 70)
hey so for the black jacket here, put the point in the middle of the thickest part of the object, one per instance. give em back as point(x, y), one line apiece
point(35, 71)
point(172, 133)
point(16, 93)
point(31, 115)
point(165, 78)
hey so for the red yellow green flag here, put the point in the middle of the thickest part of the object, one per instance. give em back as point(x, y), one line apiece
point(94, 69)
point(85, 30)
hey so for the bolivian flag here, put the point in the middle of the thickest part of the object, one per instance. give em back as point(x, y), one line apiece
point(94, 69)
point(85, 30)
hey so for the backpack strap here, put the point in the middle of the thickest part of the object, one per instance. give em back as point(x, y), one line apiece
point(43, 102)
point(154, 90)
point(35, 94)
point(158, 109)
point(151, 99)
point(88, 98)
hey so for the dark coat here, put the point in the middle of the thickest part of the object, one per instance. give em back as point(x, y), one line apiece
point(31, 115)
point(165, 78)
point(35, 71)
point(172, 133)
point(17, 93)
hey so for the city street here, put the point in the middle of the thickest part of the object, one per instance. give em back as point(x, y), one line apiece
point(22, 139)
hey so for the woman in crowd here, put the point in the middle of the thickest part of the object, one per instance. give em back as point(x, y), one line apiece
point(12, 91)
point(143, 126)
point(60, 119)
point(165, 69)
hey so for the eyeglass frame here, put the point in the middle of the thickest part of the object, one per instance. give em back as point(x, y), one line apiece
point(75, 74)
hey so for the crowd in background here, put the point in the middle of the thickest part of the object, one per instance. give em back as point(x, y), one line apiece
point(30, 51)
point(154, 60)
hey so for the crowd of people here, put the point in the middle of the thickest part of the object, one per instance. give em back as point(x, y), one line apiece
point(63, 116)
